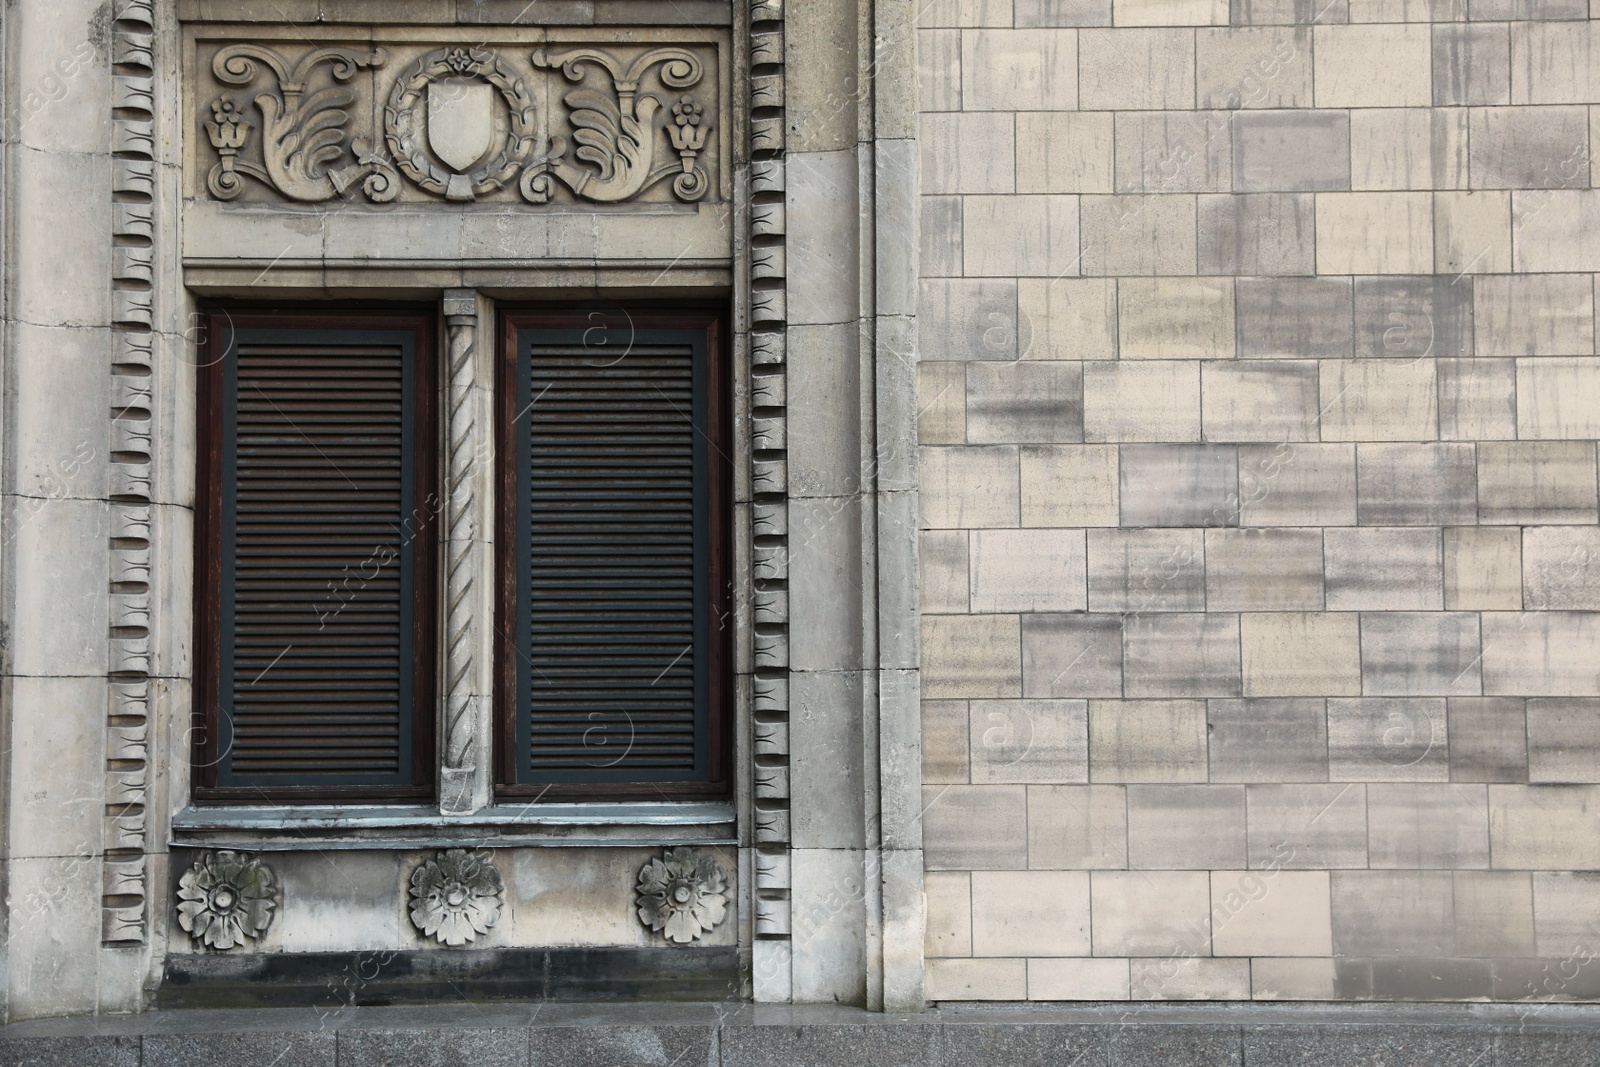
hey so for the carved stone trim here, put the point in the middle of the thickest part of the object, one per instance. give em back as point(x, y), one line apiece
point(683, 895)
point(125, 887)
point(456, 896)
point(226, 899)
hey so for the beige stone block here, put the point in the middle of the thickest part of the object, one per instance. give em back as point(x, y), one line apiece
point(1186, 827)
point(1068, 485)
point(1558, 399)
point(1417, 825)
point(57, 762)
point(1408, 10)
point(974, 485)
point(941, 403)
point(1032, 913)
point(1253, 67)
point(1029, 741)
point(1065, 152)
point(1555, 63)
point(1169, 12)
point(1068, 318)
point(1147, 570)
point(1408, 148)
point(974, 827)
point(1136, 69)
point(1181, 655)
point(1019, 70)
point(1297, 485)
point(1077, 827)
point(1175, 318)
point(1560, 568)
point(1534, 315)
point(964, 13)
point(1009, 236)
point(1263, 570)
point(1373, 66)
point(1477, 399)
point(971, 656)
point(1556, 229)
point(1190, 978)
point(1149, 913)
point(1550, 653)
point(1259, 400)
point(1472, 232)
point(1028, 570)
point(949, 916)
point(1311, 826)
point(1072, 655)
point(1374, 233)
point(1172, 152)
point(1562, 740)
point(1542, 828)
point(1494, 913)
point(1085, 979)
point(1375, 568)
point(1564, 907)
point(958, 979)
point(938, 70)
point(1292, 979)
point(1482, 569)
point(1387, 740)
point(1300, 654)
point(1149, 401)
point(1134, 235)
point(1536, 482)
point(945, 757)
point(967, 153)
point(1379, 400)
point(1147, 740)
point(1271, 913)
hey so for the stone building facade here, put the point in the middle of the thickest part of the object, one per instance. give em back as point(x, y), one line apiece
point(1137, 525)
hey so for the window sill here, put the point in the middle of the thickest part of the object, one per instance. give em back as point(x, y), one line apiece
point(331, 826)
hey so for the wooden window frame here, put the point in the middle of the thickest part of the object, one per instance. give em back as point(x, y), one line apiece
point(718, 517)
point(207, 729)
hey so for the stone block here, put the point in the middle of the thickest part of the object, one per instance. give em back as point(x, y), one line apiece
point(1379, 400)
point(1270, 913)
point(1069, 318)
point(1477, 399)
point(975, 827)
point(945, 756)
point(1408, 148)
point(1150, 913)
point(1154, 400)
point(1558, 398)
point(62, 444)
point(1028, 570)
point(1482, 569)
point(1536, 482)
point(1019, 236)
point(1494, 913)
point(1267, 67)
point(1564, 906)
point(58, 758)
point(1413, 318)
point(939, 236)
point(1488, 739)
point(1176, 655)
point(1307, 827)
point(1136, 69)
point(1185, 827)
point(1077, 827)
point(1062, 13)
point(1291, 151)
point(1520, 10)
point(1547, 653)
point(970, 656)
point(1069, 485)
point(1268, 740)
point(1259, 400)
point(1529, 147)
point(1297, 485)
point(1194, 978)
point(1064, 152)
point(1029, 741)
point(1292, 979)
point(1257, 233)
point(1534, 315)
point(1175, 318)
point(1179, 485)
point(777, 1046)
point(941, 403)
point(1373, 66)
point(99, 1050)
point(1375, 233)
point(1291, 654)
point(1138, 235)
point(948, 929)
point(1170, 12)
point(1024, 402)
point(1376, 739)
point(1442, 1046)
point(1304, 318)
point(939, 71)
point(241, 1048)
point(1071, 655)
point(965, 13)
point(970, 486)
point(1416, 485)
point(958, 979)
point(942, 561)
point(1019, 70)
point(960, 319)
point(1146, 570)
point(1072, 979)
point(1562, 740)
point(1544, 827)
point(1263, 570)
point(64, 580)
point(1030, 913)
point(1428, 826)
point(1472, 232)
point(1471, 66)
point(1154, 741)
point(508, 1046)
point(1561, 568)
point(1383, 569)
point(1555, 63)
point(969, 152)
point(1393, 913)
point(1172, 152)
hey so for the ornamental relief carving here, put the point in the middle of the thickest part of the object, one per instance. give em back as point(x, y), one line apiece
point(537, 125)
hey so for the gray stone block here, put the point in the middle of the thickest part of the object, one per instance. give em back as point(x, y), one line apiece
point(816, 1045)
point(1071, 655)
point(1414, 317)
point(507, 1047)
point(1031, 402)
point(1536, 482)
point(1172, 152)
point(1034, 1045)
point(1179, 485)
point(1289, 12)
point(1146, 570)
point(1264, 570)
point(1338, 1046)
point(1518, 10)
point(1383, 569)
point(1533, 1048)
point(1488, 739)
point(1426, 653)
point(939, 225)
point(1172, 1045)
point(1318, 826)
point(1138, 235)
point(1387, 739)
point(1563, 739)
point(972, 828)
point(1393, 913)
point(1268, 739)
point(1307, 318)
point(960, 319)
point(1291, 151)
point(1043, 13)
point(1471, 65)
point(1431, 980)
point(1257, 233)
point(1181, 656)
point(1186, 827)
point(1298, 484)
point(101, 1051)
point(1413, 825)
point(241, 1049)
point(1477, 399)
point(1529, 148)
point(619, 1046)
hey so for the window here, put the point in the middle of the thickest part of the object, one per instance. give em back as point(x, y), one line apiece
point(613, 600)
point(317, 548)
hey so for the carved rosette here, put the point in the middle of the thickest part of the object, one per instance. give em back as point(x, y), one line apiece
point(226, 899)
point(456, 896)
point(682, 895)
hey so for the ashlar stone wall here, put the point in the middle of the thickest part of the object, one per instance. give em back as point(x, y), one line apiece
point(1260, 566)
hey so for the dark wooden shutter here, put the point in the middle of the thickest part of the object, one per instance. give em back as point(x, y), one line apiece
point(615, 475)
point(322, 546)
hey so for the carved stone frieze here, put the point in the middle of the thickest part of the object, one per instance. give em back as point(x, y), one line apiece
point(682, 895)
point(456, 896)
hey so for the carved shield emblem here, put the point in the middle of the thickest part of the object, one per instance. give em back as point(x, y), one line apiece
point(460, 121)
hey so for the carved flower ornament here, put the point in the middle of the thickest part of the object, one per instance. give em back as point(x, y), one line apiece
point(681, 895)
point(225, 899)
point(455, 897)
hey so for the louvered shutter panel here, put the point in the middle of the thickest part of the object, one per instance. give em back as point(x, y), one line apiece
point(318, 559)
point(612, 673)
